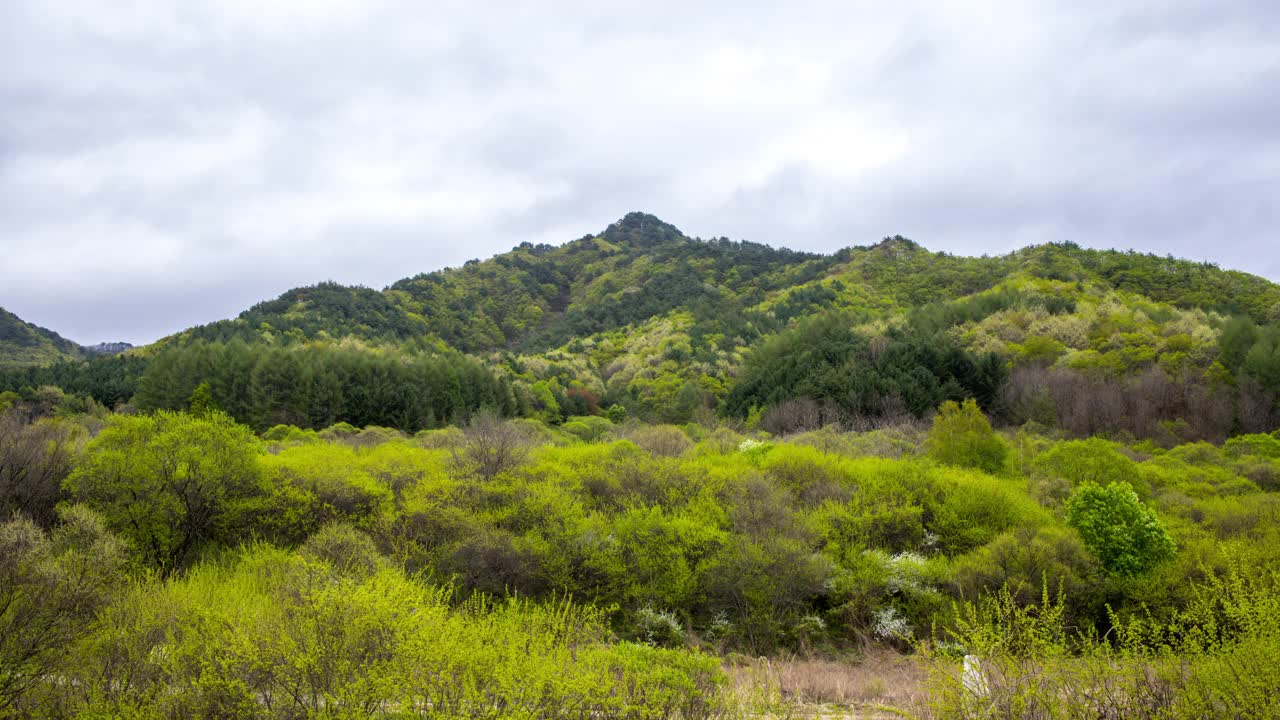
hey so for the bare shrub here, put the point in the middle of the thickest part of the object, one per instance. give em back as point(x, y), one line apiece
point(662, 440)
point(489, 446)
point(792, 416)
point(35, 457)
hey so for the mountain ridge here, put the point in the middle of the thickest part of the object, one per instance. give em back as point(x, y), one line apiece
point(671, 328)
point(514, 300)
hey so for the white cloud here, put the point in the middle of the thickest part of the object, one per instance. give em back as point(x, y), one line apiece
point(239, 148)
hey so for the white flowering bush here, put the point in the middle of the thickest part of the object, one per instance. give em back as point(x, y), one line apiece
point(755, 450)
point(659, 627)
point(890, 625)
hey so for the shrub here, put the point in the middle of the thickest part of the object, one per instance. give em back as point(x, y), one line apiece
point(962, 436)
point(169, 482)
point(52, 587)
point(1125, 535)
point(662, 440)
point(344, 548)
point(659, 627)
point(490, 446)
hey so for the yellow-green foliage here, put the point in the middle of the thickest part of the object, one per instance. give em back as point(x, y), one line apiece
point(1105, 333)
point(273, 634)
point(962, 436)
point(1213, 657)
point(675, 535)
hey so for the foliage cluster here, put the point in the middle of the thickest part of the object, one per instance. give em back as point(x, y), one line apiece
point(302, 572)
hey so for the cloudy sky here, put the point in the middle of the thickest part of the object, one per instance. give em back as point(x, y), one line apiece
point(167, 164)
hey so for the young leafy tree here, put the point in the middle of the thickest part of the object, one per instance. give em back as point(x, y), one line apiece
point(617, 414)
point(1118, 528)
point(1262, 362)
point(201, 401)
point(1238, 336)
point(169, 481)
point(962, 436)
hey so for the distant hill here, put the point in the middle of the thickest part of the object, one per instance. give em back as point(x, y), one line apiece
point(673, 328)
point(108, 348)
point(537, 297)
point(25, 345)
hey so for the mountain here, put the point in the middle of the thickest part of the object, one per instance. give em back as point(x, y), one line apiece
point(25, 345)
point(536, 297)
point(674, 328)
point(108, 348)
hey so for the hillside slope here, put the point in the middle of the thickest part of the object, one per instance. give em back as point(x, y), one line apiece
point(537, 297)
point(25, 345)
point(673, 328)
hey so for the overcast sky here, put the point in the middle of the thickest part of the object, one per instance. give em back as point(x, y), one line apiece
point(168, 164)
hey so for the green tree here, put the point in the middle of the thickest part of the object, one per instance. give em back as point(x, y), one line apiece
point(1238, 336)
point(169, 481)
point(616, 414)
point(962, 435)
point(1262, 363)
point(1124, 534)
point(201, 402)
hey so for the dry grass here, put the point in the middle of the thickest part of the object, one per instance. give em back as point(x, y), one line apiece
point(879, 684)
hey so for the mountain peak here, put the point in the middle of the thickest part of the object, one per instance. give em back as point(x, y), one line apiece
point(642, 230)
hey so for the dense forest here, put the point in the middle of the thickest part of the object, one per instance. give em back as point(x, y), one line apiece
point(646, 475)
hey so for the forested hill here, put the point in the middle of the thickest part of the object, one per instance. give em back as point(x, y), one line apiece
point(539, 296)
point(25, 345)
point(672, 329)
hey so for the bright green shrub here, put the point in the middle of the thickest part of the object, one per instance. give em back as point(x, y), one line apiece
point(345, 549)
point(587, 428)
point(275, 635)
point(1125, 535)
point(170, 482)
point(962, 436)
point(975, 508)
point(315, 484)
point(1024, 560)
point(1266, 446)
point(1093, 460)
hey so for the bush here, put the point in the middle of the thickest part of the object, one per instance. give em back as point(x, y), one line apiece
point(962, 436)
point(272, 634)
point(52, 587)
point(587, 428)
point(344, 548)
point(170, 482)
point(1125, 535)
point(1094, 460)
point(662, 440)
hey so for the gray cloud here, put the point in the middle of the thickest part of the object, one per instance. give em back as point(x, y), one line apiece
point(166, 164)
